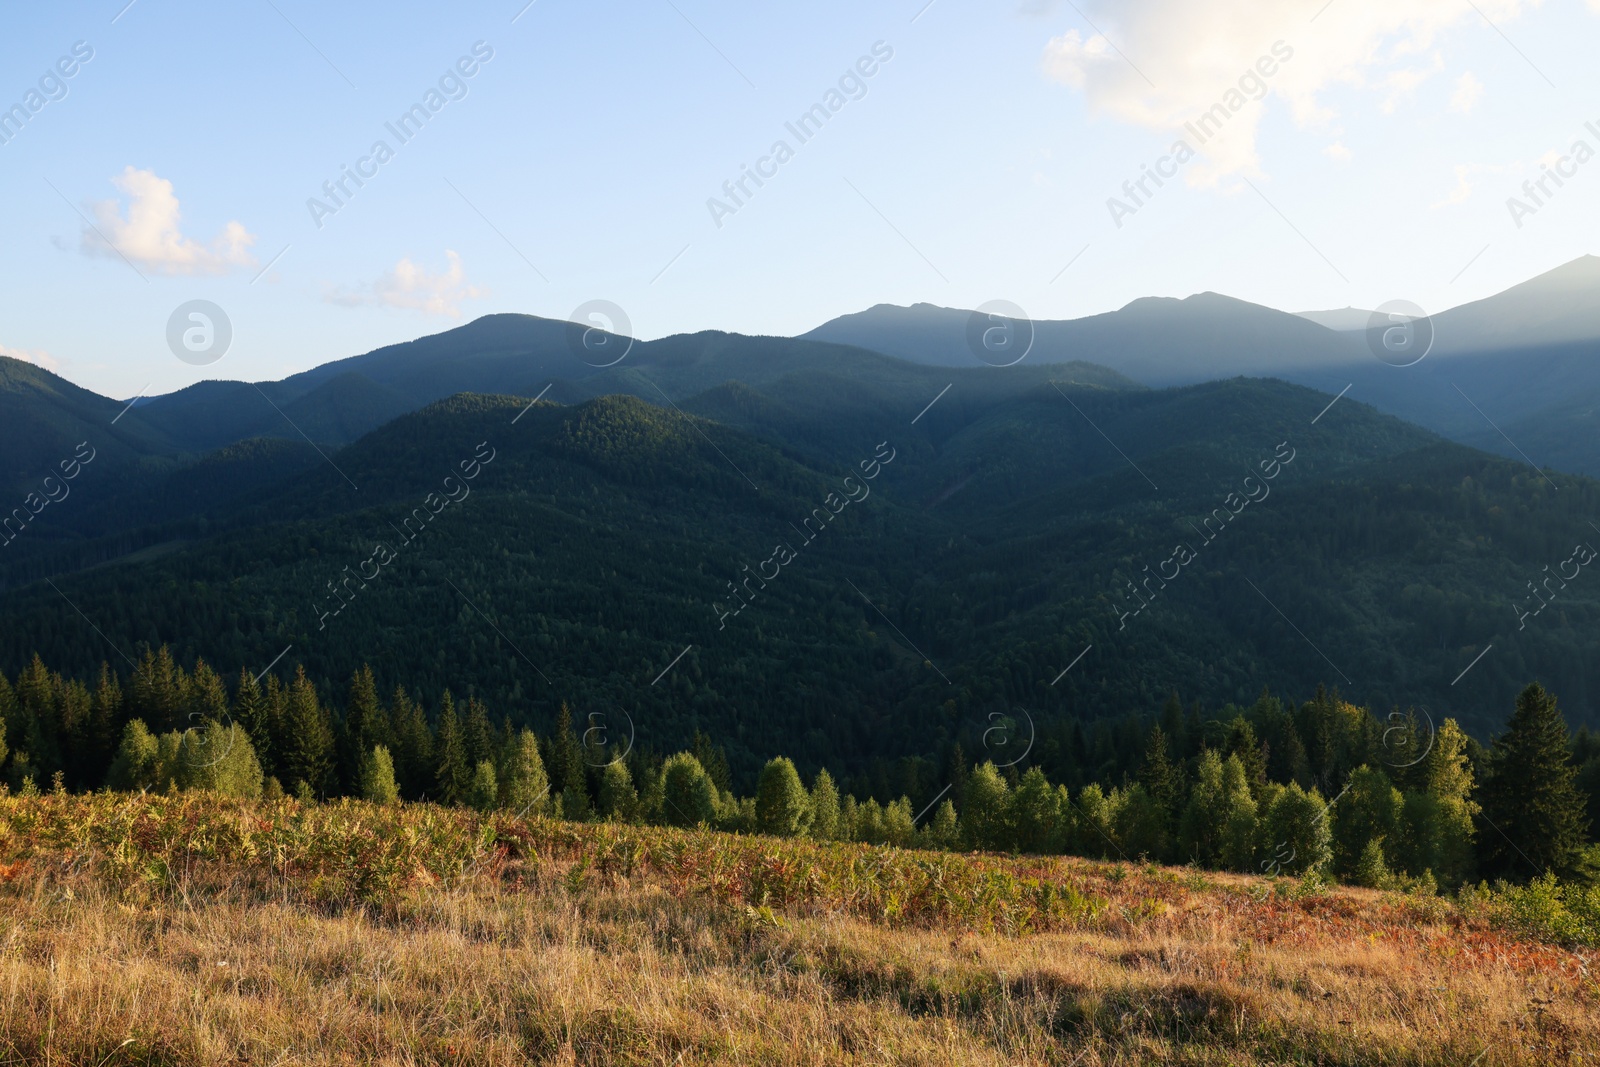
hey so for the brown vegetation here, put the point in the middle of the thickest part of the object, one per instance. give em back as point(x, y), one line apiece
point(189, 929)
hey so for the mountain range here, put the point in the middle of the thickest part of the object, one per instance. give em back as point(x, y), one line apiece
point(690, 535)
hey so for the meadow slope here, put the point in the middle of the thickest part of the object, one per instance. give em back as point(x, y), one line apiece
point(190, 929)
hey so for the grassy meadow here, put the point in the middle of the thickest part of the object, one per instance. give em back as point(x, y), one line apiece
point(194, 929)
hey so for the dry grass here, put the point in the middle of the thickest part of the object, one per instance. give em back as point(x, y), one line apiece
point(552, 953)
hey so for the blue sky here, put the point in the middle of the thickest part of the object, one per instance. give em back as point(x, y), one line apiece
point(974, 164)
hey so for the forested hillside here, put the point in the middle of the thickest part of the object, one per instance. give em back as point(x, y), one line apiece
point(830, 579)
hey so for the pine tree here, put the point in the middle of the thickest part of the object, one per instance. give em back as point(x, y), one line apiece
point(477, 734)
point(154, 696)
point(824, 807)
point(483, 789)
point(413, 746)
point(525, 788)
point(250, 711)
point(308, 740)
point(713, 759)
point(105, 720)
point(564, 760)
point(618, 799)
point(451, 777)
point(1242, 742)
point(1533, 814)
point(366, 725)
point(1160, 778)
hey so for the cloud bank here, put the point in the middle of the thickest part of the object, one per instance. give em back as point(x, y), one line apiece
point(150, 234)
point(1161, 63)
point(412, 288)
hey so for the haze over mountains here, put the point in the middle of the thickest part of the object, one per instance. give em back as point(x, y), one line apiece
point(1529, 358)
point(1029, 515)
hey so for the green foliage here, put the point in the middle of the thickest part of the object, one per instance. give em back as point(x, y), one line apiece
point(688, 797)
point(219, 758)
point(824, 807)
point(1535, 819)
point(1370, 868)
point(1038, 816)
point(1293, 836)
point(985, 819)
point(783, 808)
point(482, 790)
point(619, 802)
point(524, 786)
point(308, 756)
point(1370, 810)
point(451, 774)
point(378, 785)
point(135, 766)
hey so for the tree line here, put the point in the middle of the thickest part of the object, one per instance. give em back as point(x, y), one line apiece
point(1323, 786)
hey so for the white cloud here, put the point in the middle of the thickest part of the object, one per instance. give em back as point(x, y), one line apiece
point(1466, 180)
point(150, 234)
point(1403, 82)
point(413, 288)
point(1469, 90)
point(1195, 51)
point(1337, 151)
point(35, 356)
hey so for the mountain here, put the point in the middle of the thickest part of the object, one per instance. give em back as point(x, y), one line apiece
point(1156, 341)
point(520, 355)
point(1556, 308)
point(1517, 373)
point(723, 576)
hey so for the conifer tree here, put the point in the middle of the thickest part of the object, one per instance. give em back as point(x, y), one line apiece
point(105, 719)
point(367, 720)
point(308, 740)
point(1535, 818)
point(1161, 779)
point(564, 760)
point(451, 776)
point(483, 790)
point(477, 734)
point(618, 799)
point(413, 747)
point(824, 807)
point(252, 711)
point(525, 788)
